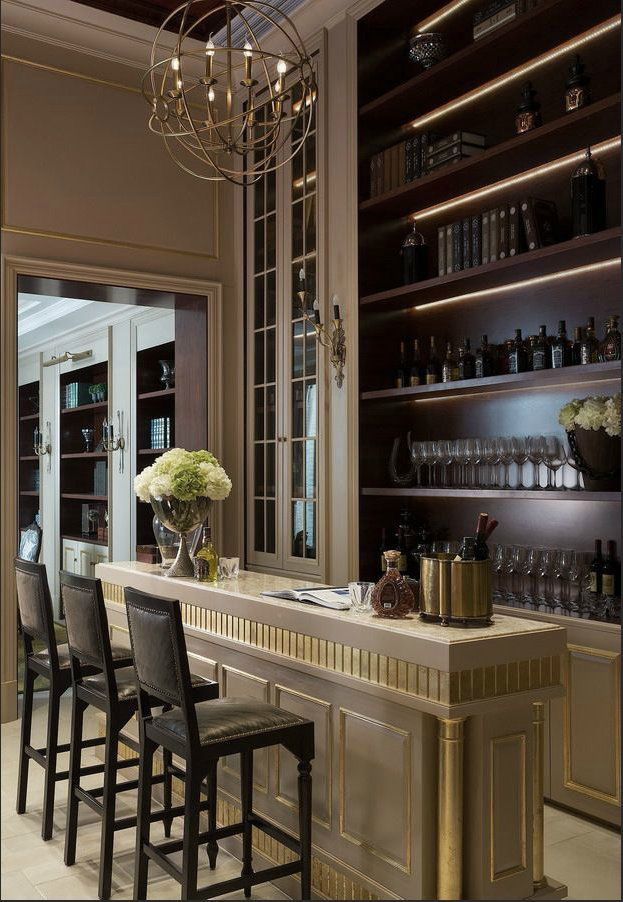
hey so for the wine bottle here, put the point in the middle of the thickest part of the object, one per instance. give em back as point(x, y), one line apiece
point(433, 367)
point(596, 569)
point(467, 361)
point(561, 350)
point(589, 350)
point(401, 380)
point(576, 349)
point(539, 349)
point(449, 369)
point(383, 548)
point(610, 572)
point(415, 372)
point(611, 345)
point(517, 355)
point(484, 360)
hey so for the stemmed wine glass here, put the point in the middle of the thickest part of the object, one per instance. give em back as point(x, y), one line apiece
point(491, 459)
point(535, 456)
point(505, 452)
point(546, 578)
point(565, 563)
point(520, 451)
point(516, 566)
point(417, 459)
point(531, 573)
point(499, 572)
point(428, 458)
point(553, 458)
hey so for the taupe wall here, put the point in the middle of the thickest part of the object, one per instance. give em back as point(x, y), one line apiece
point(85, 182)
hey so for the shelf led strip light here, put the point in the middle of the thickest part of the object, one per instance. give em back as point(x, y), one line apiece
point(519, 72)
point(528, 175)
point(448, 10)
point(524, 283)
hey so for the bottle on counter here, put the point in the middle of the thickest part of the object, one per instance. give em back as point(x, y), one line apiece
point(576, 348)
point(449, 368)
point(475, 548)
point(484, 360)
point(589, 349)
point(561, 348)
point(401, 379)
point(611, 572)
point(467, 361)
point(611, 345)
point(415, 370)
point(392, 597)
point(419, 550)
point(206, 558)
point(539, 350)
point(517, 354)
point(433, 366)
point(596, 569)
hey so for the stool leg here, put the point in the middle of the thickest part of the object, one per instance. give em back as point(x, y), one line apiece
point(190, 846)
point(50, 762)
point(75, 759)
point(305, 813)
point(246, 800)
point(167, 761)
point(108, 805)
point(24, 760)
point(212, 846)
point(141, 860)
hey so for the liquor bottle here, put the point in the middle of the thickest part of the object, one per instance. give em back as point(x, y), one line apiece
point(415, 372)
point(206, 559)
point(433, 367)
point(576, 349)
point(420, 549)
point(467, 361)
point(610, 571)
point(405, 538)
point(449, 369)
point(484, 360)
point(384, 547)
point(561, 349)
point(611, 345)
point(596, 569)
point(402, 378)
point(392, 597)
point(539, 350)
point(589, 350)
point(588, 197)
point(517, 355)
point(414, 253)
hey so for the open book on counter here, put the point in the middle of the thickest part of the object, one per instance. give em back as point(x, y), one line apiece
point(328, 596)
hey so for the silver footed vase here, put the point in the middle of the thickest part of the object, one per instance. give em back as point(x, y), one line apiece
point(182, 517)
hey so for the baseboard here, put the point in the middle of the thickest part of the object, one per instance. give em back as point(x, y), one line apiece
point(551, 889)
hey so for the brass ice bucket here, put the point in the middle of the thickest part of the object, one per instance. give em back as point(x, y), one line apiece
point(457, 592)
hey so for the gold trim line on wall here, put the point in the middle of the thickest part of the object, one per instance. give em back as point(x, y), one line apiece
point(89, 239)
point(370, 667)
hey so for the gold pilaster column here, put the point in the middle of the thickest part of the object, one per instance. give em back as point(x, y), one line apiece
point(450, 809)
point(538, 742)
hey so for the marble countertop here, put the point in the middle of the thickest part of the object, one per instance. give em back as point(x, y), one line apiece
point(516, 637)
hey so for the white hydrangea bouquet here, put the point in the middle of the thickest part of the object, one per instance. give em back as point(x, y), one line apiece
point(185, 475)
point(594, 412)
point(181, 486)
point(593, 427)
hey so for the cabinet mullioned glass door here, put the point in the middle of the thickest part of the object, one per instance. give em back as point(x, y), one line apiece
point(284, 423)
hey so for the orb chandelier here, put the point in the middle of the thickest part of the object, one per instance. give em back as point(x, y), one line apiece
point(267, 97)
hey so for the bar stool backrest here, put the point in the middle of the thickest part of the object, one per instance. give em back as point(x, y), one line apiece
point(35, 607)
point(160, 657)
point(87, 625)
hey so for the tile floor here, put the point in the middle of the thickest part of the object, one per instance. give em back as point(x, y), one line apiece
point(584, 856)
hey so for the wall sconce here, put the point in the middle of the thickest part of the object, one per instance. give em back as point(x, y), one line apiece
point(68, 355)
point(335, 340)
point(42, 446)
point(109, 442)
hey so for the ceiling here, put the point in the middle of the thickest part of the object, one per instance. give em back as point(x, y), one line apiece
point(42, 318)
point(154, 12)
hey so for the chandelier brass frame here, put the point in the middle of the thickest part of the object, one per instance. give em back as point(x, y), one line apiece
point(256, 132)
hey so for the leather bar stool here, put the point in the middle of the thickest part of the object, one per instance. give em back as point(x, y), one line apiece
point(37, 625)
point(200, 734)
point(113, 691)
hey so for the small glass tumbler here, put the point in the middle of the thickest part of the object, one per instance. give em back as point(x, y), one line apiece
point(228, 567)
point(360, 595)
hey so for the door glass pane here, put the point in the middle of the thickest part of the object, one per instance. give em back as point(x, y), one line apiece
point(259, 413)
point(310, 530)
point(270, 527)
point(270, 411)
point(270, 241)
point(271, 299)
point(297, 350)
point(259, 358)
point(270, 355)
point(271, 182)
point(298, 469)
point(258, 283)
point(259, 469)
point(259, 198)
point(270, 470)
point(310, 224)
point(310, 350)
point(297, 409)
point(258, 524)
point(310, 469)
point(298, 539)
point(259, 245)
point(297, 230)
point(311, 408)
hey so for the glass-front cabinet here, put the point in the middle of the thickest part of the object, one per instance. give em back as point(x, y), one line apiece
point(284, 361)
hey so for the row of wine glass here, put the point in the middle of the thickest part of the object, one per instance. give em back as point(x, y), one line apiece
point(548, 580)
point(499, 462)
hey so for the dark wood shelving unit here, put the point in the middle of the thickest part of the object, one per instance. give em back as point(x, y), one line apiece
point(29, 467)
point(78, 467)
point(572, 279)
point(570, 375)
point(498, 494)
point(152, 401)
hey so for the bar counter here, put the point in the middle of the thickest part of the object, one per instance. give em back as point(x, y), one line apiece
point(428, 773)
